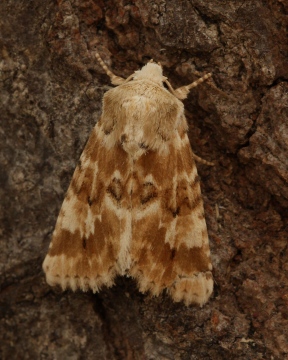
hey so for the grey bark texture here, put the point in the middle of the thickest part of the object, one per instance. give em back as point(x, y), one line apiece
point(50, 98)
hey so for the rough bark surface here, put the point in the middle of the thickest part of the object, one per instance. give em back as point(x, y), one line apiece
point(51, 90)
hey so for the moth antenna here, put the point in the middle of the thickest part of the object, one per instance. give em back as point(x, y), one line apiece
point(115, 80)
point(182, 92)
point(211, 84)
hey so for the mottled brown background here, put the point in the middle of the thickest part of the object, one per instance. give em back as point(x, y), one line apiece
point(51, 90)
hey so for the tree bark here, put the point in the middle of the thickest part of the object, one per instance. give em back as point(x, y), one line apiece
point(50, 99)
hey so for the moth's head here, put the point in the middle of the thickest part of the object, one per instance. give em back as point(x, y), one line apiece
point(151, 71)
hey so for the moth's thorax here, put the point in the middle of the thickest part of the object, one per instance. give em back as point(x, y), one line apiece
point(141, 112)
point(152, 72)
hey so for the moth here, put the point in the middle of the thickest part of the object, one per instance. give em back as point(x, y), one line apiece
point(134, 204)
